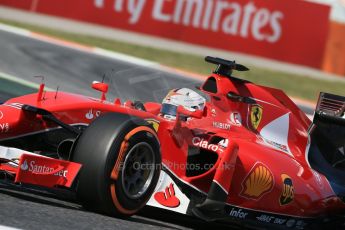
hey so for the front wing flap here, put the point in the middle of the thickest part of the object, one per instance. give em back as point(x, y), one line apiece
point(47, 172)
point(32, 168)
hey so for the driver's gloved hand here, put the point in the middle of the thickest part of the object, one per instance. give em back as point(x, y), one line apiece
point(139, 105)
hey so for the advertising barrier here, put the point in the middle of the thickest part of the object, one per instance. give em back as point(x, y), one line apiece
point(293, 31)
point(334, 60)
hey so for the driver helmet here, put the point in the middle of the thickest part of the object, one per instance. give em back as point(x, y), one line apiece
point(189, 99)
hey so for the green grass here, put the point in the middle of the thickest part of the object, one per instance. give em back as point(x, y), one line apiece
point(294, 85)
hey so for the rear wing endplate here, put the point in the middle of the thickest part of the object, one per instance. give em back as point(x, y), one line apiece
point(331, 109)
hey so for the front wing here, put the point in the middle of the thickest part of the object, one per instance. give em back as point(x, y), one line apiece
point(32, 168)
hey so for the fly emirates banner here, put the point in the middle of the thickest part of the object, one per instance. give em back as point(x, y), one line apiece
point(287, 30)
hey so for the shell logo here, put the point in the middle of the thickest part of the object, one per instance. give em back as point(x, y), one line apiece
point(258, 182)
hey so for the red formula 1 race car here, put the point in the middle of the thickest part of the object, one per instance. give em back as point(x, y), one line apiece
point(248, 155)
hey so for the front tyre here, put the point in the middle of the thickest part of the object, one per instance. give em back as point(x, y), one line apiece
point(120, 157)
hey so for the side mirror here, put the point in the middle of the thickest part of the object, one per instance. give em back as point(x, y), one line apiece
point(102, 87)
point(195, 114)
point(236, 97)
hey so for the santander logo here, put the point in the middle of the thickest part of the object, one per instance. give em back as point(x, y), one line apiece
point(168, 198)
point(24, 166)
point(33, 167)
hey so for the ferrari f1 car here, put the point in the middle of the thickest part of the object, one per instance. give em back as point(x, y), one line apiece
point(250, 156)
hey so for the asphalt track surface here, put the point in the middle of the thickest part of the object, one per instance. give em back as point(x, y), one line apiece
point(73, 71)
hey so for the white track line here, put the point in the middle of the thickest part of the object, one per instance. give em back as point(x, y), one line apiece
point(123, 57)
point(15, 30)
point(21, 81)
point(3, 227)
point(75, 46)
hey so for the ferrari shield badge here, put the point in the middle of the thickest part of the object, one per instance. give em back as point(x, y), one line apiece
point(255, 116)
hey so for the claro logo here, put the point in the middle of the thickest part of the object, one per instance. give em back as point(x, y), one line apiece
point(230, 17)
point(41, 169)
point(199, 142)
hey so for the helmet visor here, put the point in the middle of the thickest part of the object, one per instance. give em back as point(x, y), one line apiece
point(169, 109)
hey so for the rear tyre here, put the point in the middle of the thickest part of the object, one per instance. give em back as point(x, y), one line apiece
point(120, 157)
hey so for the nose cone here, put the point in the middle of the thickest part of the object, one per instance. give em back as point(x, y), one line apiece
point(10, 115)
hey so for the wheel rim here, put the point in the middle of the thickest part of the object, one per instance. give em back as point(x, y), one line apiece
point(138, 170)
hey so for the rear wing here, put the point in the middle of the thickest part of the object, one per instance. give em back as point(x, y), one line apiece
point(330, 109)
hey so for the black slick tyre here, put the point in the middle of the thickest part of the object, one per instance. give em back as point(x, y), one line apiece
point(120, 157)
